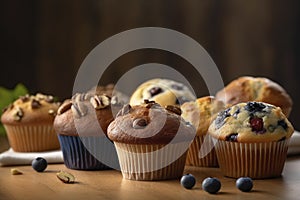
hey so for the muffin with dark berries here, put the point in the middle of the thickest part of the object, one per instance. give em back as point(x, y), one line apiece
point(81, 124)
point(28, 122)
point(252, 140)
point(162, 91)
point(151, 141)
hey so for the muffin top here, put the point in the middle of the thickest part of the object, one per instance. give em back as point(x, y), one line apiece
point(260, 89)
point(150, 123)
point(162, 91)
point(251, 122)
point(201, 112)
point(31, 110)
point(84, 113)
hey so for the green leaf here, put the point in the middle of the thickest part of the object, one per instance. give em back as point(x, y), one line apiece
point(8, 96)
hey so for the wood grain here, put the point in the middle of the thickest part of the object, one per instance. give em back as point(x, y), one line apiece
point(109, 184)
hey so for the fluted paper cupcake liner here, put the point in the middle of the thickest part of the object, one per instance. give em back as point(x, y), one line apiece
point(255, 160)
point(152, 162)
point(34, 138)
point(194, 157)
point(77, 156)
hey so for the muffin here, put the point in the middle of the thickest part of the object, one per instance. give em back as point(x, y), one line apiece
point(162, 91)
point(151, 141)
point(259, 89)
point(28, 122)
point(252, 140)
point(200, 113)
point(81, 124)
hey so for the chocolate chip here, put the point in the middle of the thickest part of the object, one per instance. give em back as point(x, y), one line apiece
point(173, 109)
point(151, 104)
point(253, 107)
point(155, 90)
point(139, 123)
point(232, 137)
point(79, 109)
point(64, 107)
point(35, 104)
point(283, 124)
point(220, 119)
point(177, 87)
point(125, 110)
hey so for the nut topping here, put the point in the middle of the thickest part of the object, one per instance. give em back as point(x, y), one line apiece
point(15, 171)
point(18, 114)
point(173, 109)
point(64, 107)
point(25, 98)
point(65, 177)
point(125, 110)
point(79, 109)
point(99, 102)
point(51, 112)
point(35, 104)
point(49, 99)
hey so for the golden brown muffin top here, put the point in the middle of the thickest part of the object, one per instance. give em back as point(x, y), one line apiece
point(260, 89)
point(201, 112)
point(31, 110)
point(150, 123)
point(251, 122)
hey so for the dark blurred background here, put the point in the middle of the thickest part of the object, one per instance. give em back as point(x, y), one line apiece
point(43, 43)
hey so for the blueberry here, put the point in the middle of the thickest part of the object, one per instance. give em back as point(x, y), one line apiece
point(219, 121)
point(39, 164)
point(244, 184)
point(283, 124)
point(253, 107)
point(233, 137)
point(211, 185)
point(155, 90)
point(188, 181)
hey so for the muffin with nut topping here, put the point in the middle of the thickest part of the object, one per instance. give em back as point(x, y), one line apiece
point(28, 122)
point(151, 141)
point(252, 140)
point(81, 124)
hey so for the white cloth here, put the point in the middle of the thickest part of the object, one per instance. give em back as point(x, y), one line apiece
point(294, 146)
point(10, 157)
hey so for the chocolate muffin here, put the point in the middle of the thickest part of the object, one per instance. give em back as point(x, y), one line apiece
point(81, 125)
point(151, 141)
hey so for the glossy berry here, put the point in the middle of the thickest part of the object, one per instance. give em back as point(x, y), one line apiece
point(188, 181)
point(253, 107)
point(244, 184)
point(211, 185)
point(257, 125)
point(39, 164)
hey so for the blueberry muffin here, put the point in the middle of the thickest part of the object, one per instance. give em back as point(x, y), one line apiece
point(259, 89)
point(81, 124)
point(162, 91)
point(28, 122)
point(151, 141)
point(201, 113)
point(252, 140)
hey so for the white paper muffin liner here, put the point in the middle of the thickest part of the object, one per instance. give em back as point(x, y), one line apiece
point(194, 157)
point(152, 162)
point(255, 160)
point(35, 138)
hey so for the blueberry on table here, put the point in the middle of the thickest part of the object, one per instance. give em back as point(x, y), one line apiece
point(188, 181)
point(244, 184)
point(39, 164)
point(211, 185)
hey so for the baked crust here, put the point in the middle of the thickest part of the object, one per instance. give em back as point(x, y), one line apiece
point(258, 89)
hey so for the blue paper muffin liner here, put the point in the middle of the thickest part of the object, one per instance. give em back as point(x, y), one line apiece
point(77, 156)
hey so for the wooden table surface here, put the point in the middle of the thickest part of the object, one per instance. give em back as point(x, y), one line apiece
point(109, 184)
